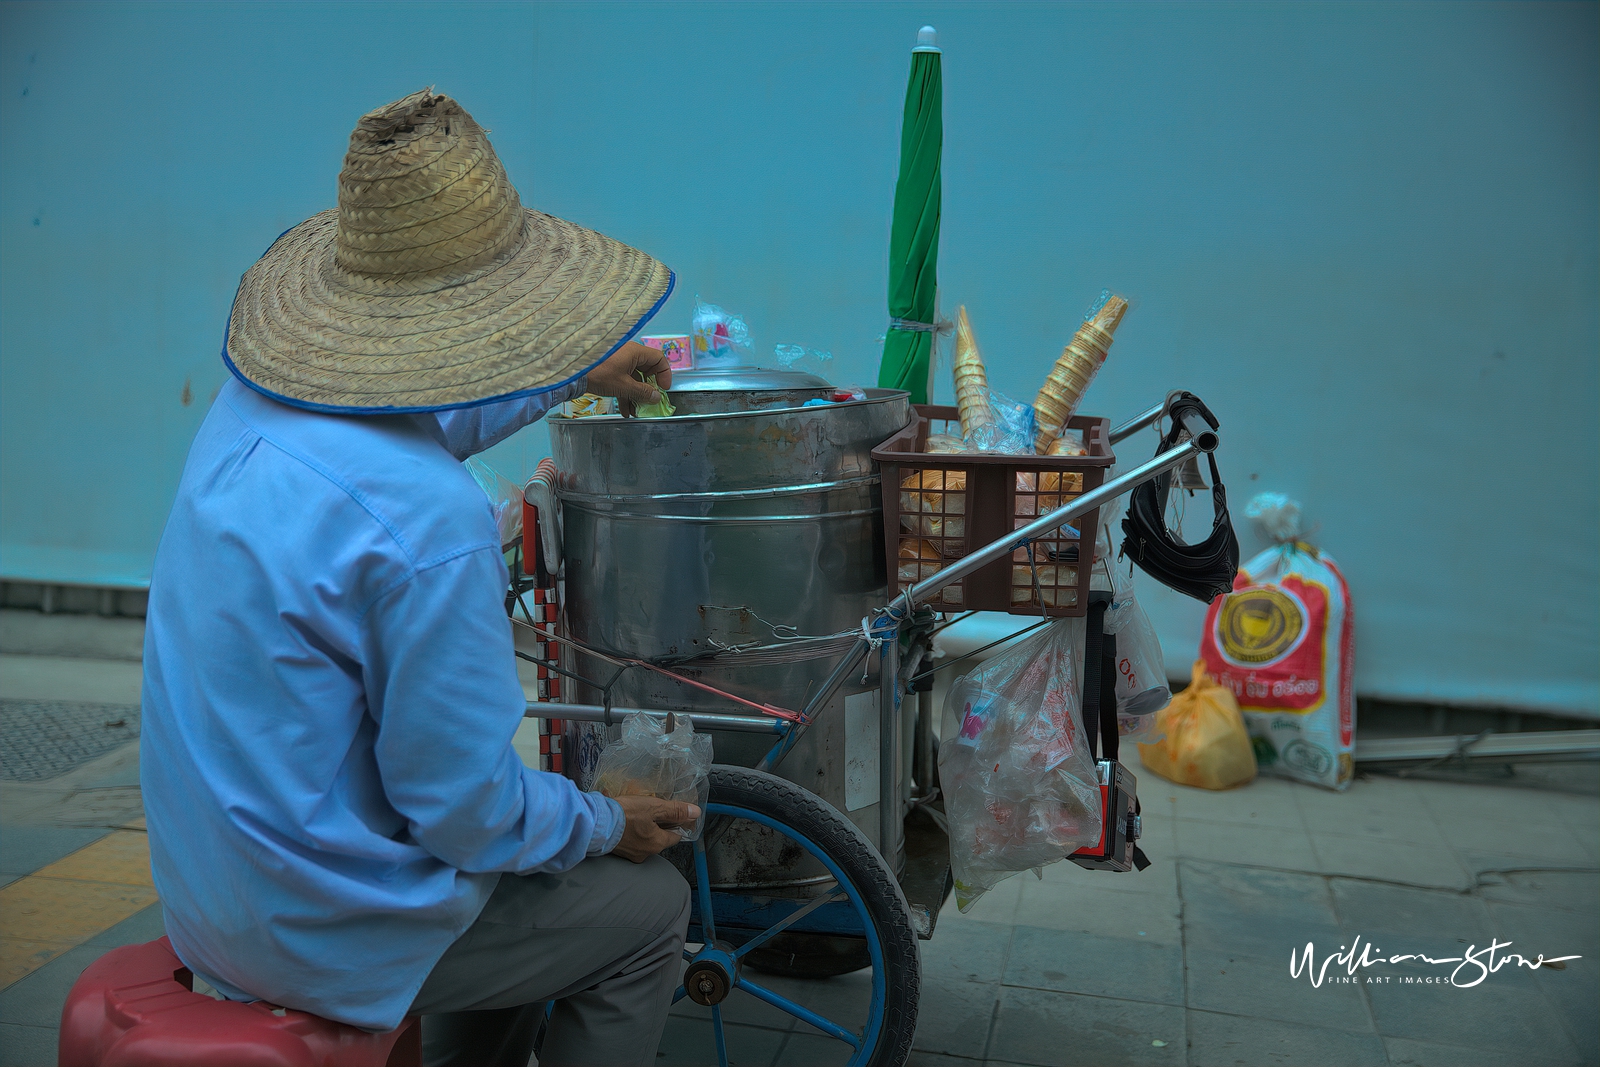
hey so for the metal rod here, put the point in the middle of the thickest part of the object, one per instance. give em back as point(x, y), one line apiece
point(1534, 745)
point(889, 813)
point(1138, 422)
point(1048, 524)
point(922, 758)
point(1205, 438)
point(809, 713)
point(743, 724)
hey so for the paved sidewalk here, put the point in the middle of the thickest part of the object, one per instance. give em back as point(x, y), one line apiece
point(1091, 968)
point(1185, 963)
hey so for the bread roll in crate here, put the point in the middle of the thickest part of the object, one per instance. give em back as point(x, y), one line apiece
point(947, 504)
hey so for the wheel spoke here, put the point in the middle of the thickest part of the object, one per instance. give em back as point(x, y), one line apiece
point(680, 994)
point(722, 1044)
point(793, 917)
point(702, 878)
point(805, 1015)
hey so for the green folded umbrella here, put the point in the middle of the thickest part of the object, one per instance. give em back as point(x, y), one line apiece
point(914, 234)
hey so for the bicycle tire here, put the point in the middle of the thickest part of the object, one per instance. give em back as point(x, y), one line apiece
point(814, 818)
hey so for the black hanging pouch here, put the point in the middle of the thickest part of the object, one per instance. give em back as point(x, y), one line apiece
point(1203, 571)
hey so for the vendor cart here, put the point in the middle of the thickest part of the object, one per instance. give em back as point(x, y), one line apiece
point(733, 563)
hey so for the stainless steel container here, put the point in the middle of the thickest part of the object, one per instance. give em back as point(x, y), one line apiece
point(744, 520)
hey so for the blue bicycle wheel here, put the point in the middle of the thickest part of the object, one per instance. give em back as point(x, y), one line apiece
point(863, 1019)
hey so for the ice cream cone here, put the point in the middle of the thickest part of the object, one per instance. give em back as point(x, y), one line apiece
point(972, 381)
point(1063, 391)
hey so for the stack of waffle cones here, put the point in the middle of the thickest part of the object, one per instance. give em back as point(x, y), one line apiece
point(1076, 367)
point(972, 383)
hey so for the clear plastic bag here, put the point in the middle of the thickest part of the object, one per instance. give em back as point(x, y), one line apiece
point(946, 442)
point(1142, 688)
point(1013, 430)
point(505, 498)
point(1141, 684)
point(719, 338)
point(1020, 784)
point(800, 358)
point(650, 760)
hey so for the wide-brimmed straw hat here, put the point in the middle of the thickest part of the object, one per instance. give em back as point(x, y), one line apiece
point(431, 286)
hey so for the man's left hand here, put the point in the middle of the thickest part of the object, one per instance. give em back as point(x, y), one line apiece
point(622, 376)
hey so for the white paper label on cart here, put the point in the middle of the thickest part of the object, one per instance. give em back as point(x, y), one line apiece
point(860, 750)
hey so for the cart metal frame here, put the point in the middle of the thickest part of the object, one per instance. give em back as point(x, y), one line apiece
point(719, 962)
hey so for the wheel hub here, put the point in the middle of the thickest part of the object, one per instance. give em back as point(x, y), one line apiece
point(711, 977)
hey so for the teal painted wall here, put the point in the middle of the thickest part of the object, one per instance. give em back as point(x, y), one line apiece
point(1366, 233)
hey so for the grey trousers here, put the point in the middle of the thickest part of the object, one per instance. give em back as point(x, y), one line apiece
point(603, 940)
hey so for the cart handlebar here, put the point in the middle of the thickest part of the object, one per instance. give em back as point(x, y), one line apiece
point(1191, 413)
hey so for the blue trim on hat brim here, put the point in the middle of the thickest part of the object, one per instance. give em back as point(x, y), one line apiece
point(335, 409)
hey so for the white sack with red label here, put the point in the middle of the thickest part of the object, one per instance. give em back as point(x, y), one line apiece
point(1284, 642)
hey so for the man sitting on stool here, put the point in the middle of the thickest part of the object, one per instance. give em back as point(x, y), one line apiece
point(338, 821)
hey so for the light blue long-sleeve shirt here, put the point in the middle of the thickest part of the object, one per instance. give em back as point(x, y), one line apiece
point(329, 699)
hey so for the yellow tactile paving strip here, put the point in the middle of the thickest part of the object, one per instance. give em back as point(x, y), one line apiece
point(62, 905)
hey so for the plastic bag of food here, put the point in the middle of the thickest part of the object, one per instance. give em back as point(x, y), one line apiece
point(1284, 642)
point(663, 408)
point(588, 405)
point(1070, 443)
point(1063, 390)
point(945, 442)
point(1020, 784)
point(1010, 430)
point(1206, 744)
point(649, 760)
point(718, 338)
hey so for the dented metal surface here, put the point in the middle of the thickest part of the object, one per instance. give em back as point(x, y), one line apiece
point(742, 524)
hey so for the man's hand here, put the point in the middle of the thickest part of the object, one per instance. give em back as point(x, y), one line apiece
point(620, 376)
point(643, 832)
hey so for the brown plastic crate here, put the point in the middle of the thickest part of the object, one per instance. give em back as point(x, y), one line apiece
point(937, 507)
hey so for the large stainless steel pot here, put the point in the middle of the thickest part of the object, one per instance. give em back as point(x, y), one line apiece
point(746, 519)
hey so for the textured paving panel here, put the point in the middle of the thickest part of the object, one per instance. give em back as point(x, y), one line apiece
point(79, 897)
point(41, 739)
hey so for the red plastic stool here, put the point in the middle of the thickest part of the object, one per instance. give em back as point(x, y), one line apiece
point(136, 1007)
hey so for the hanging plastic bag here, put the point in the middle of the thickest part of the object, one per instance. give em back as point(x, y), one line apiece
point(505, 498)
point(1020, 784)
point(1284, 642)
point(1206, 744)
point(648, 760)
point(1142, 689)
point(1141, 684)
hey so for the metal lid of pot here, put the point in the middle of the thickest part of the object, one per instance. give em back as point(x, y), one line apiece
point(745, 379)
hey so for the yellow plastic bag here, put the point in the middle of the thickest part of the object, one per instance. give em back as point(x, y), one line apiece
point(1206, 743)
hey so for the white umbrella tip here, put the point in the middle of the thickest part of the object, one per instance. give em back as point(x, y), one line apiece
point(927, 40)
